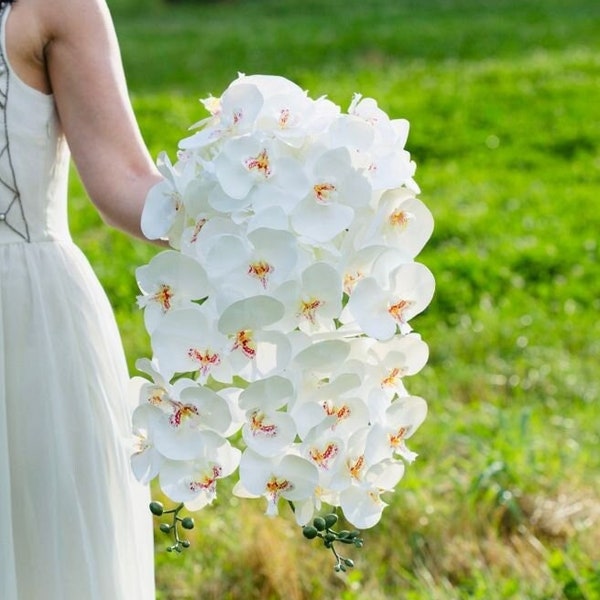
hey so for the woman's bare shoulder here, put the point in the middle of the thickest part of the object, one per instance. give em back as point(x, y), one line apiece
point(69, 17)
point(26, 36)
point(35, 27)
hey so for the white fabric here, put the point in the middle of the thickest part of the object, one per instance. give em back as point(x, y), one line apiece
point(74, 524)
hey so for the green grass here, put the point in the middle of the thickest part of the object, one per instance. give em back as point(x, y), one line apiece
point(504, 500)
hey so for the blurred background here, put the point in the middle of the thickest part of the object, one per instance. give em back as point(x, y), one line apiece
point(503, 97)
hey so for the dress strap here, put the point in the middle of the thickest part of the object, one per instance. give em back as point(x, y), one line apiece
point(12, 214)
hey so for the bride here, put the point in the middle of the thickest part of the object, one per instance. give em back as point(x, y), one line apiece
point(73, 522)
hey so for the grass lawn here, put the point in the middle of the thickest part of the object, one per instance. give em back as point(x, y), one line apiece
point(504, 105)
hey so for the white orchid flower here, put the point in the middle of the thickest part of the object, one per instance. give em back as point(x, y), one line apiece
point(187, 341)
point(390, 165)
point(268, 259)
point(362, 480)
point(200, 207)
point(331, 404)
point(401, 420)
point(195, 482)
point(146, 460)
point(326, 449)
point(259, 172)
point(220, 248)
point(387, 131)
point(387, 363)
point(362, 503)
point(313, 303)
point(156, 392)
point(268, 433)
point(162, 207)
point(232, 114)
point(283, 115)
point(402, 221)
point(268, 429)
point(169, 281)
point(290, 477)
point(381, 311)
point(354, 133)
point(336, 189)
point(255, 351)
point(163, 213)
point(189, 425)
point(355, 264)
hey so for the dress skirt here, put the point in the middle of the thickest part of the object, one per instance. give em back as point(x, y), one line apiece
point(74, 523)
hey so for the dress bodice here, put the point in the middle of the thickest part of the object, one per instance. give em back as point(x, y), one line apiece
point(34, 159)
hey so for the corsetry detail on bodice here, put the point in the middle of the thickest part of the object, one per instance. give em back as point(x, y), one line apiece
point(11, 212)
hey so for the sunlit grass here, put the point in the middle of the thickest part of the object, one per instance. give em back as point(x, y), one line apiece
point(504, 500)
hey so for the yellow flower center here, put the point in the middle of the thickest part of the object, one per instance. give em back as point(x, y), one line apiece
point(157, 396)
point(276, 486)
point(323, 191)
point(399, 219)
point(356, 467)
point(259, 163)
point(245, 343)
point(261, 270)
point(339, 412)
point(182, 412)
point(207, 482)
point(350, 280)
point(308, 309)
point(205, 359)
point(163, 296)
point(323, 457)
point(397, 310)
point(397, 439)
point(391, 379)
point(257, 425)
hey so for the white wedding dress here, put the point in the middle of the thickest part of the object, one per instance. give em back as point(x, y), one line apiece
point(74, 524)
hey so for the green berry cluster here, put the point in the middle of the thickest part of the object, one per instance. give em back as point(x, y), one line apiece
point(172, 529)
point(321, 528)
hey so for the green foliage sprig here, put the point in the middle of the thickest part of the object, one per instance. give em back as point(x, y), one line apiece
point(322, 528)
point(172, 528)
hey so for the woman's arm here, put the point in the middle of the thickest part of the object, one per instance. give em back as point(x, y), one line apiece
point(86, 76)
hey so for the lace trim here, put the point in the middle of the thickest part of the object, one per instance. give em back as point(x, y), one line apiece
point(13, 216)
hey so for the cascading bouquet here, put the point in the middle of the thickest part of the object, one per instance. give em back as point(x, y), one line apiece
point(279, 318)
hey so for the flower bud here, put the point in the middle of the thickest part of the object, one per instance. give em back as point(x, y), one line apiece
point(156, 508)
point(185, 543)
point(330, 520)
point(187, 523)
point(319, 523)
point(348, 562)
point(309, 532)
point(165, 527)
